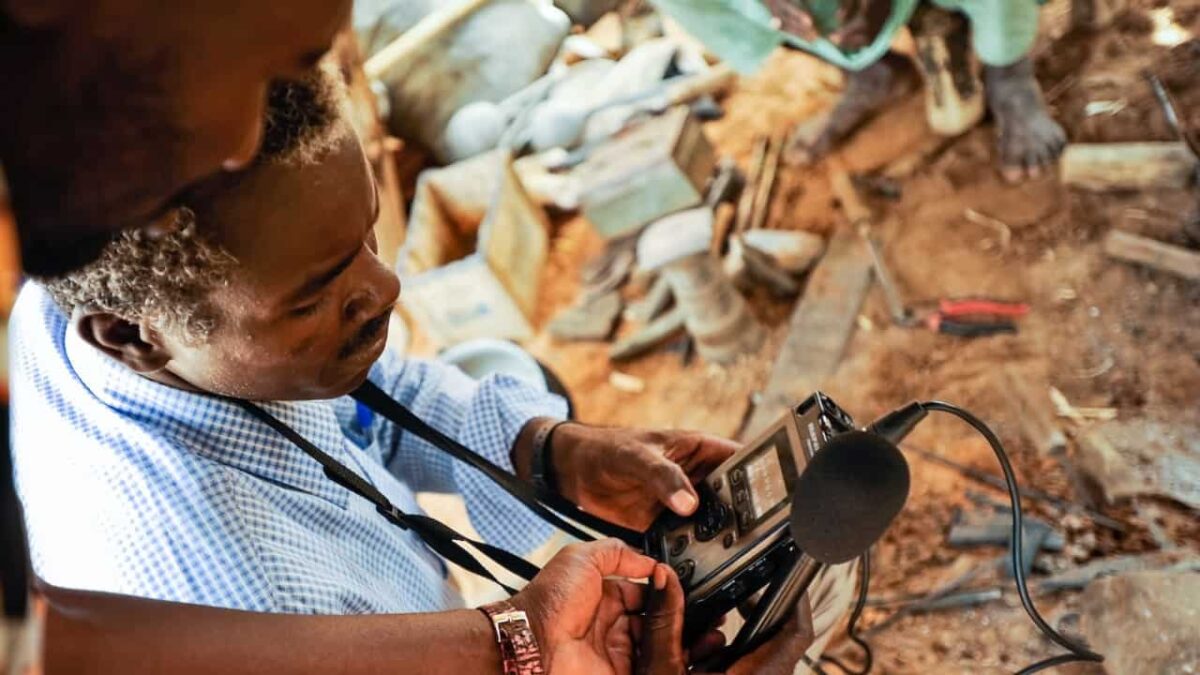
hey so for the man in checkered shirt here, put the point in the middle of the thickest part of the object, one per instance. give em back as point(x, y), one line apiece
point(141, 477)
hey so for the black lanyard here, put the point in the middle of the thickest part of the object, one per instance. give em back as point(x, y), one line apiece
point(442, 539)
point(537, 500)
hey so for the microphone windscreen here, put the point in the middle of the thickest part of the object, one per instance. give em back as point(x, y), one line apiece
point(847, 496)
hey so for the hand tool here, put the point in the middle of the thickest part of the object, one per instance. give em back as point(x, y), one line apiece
point(964, 317)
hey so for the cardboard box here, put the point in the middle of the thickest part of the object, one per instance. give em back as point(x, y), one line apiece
point(658, 167)
point(474, 255)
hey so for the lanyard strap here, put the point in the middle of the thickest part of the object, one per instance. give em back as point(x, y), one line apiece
point(535, 499)
point(442, 539)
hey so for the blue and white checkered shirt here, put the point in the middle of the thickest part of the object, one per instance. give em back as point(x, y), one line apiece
point(133, 487)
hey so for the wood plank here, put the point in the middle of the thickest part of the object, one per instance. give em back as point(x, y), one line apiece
point(1101, 167)
point(429, 28)
point(820, 327)
point(1153, 253)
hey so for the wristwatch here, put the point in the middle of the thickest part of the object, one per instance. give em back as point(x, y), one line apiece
point(519, 651)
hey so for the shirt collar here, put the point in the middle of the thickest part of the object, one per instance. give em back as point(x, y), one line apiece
point(216, 428)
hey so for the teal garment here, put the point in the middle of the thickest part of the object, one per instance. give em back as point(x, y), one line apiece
point(740, 31)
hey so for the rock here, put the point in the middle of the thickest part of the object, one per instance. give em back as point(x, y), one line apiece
point(473, 129)
point(469, 61)
point(1145, 622)
point(674, 237)
point(794, 250)
point(977, 529)
point(1079, 577)
point(586, 12)
point(594, 319)
point(994, 529)
point(1073, 522)
point(648, 337)
point(763, 269)
point(610, 270)
point(650, 306)
point(1126, 458)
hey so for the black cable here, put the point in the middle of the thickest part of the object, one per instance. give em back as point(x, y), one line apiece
point(1077, 652)
point(855, 615)
point(813, 665)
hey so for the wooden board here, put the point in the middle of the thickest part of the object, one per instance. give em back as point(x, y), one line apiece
point(1152, 253)
point(820, 327)
point(1100, 167)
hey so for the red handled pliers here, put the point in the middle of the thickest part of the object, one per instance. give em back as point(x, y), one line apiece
point(970, 317)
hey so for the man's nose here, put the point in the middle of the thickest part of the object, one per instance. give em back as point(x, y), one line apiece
point(246, 151)
point(251, 134)
point(379, 290)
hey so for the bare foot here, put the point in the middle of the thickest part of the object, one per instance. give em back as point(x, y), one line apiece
point(867, 91)
point(1095, 14)
point(1028, 139)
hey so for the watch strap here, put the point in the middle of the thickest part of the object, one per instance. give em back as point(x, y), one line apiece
point(519, 650)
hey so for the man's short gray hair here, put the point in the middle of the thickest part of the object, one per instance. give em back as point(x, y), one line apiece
point(167, 279)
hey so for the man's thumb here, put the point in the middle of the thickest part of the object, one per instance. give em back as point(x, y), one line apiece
point(673, 488)
point(661, 648)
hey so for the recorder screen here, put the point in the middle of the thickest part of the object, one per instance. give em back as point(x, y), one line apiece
point(765, 478)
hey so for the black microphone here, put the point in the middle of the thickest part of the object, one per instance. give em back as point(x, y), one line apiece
point(847, 496)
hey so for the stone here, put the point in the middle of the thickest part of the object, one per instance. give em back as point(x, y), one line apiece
point(1081, 576)
point(1126, 458)
point(795, 251)
point(648, 337)
point(674, 237)
point(593, 319)
point(1145, 622)
point(654, 303)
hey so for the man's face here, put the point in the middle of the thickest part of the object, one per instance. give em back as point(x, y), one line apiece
point(305, 313)
point(115, 106)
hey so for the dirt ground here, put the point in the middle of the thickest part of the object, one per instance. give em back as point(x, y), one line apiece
point(1105, 333)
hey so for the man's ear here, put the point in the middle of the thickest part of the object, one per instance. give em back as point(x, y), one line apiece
point(139, 348)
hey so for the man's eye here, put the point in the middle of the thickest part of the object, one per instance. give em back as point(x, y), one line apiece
point(305, 310)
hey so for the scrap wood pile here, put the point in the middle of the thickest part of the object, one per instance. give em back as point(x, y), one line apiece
point(607, 124)
point(624, 135)
point(686, 269)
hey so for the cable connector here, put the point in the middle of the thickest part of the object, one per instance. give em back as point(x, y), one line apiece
point(899, 423)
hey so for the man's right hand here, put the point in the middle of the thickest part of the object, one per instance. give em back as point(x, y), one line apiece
point(662, 651)
point(581, 614)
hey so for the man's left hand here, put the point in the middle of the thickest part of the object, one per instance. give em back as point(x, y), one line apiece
point(626, 476)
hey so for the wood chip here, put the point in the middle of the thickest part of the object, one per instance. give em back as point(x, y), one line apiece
point(626, 382)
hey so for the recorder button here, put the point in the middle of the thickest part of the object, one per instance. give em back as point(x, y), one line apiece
point(716, 484)
point(679, 545)
point(762, 569)
point(744, 520)
point(735, 477)
point(728, 540)
point(734, 589)
point(684, 571)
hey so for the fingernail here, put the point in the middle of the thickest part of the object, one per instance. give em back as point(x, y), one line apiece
point(682, 502)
